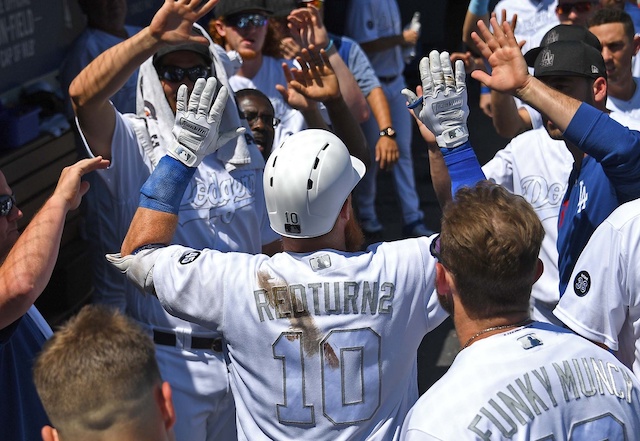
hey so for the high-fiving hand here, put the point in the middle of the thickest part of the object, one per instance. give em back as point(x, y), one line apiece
point(197, 122)
point(443, 107)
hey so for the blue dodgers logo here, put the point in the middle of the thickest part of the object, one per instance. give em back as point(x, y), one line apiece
point(582, 283)
point(189, 257)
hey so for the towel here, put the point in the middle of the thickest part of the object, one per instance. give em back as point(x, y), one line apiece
point(157, 118)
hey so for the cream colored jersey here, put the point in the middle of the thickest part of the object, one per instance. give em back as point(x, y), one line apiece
point(322, 345)
point(539, 382)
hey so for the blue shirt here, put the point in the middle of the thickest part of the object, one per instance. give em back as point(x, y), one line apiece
point(21, 413)
point(609, 176)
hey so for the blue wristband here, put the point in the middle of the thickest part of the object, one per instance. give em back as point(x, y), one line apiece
point(329, 46)
point(463, 166)
point(479, 7)
point(485, 90)
point(164, 189)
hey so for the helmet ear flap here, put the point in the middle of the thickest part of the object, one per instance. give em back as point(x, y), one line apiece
point(306, 182)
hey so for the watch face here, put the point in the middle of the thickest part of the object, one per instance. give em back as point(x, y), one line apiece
point(389, 131)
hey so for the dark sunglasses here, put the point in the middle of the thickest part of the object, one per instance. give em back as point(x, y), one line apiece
point(176, 74)
point(434, 248)
point(242, 21)
point(252, 117)
point(566, 8)
point(7, 202)
point(317, 3)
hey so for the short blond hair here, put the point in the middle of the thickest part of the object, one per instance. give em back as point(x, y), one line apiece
point(96, 371)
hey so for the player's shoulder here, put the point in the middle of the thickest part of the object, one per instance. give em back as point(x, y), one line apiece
point(626, 216)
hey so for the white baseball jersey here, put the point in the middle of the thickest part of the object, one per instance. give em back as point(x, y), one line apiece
point(603, 302)
point(631, 107)
point(537, 167)
point(539, 382)
point(535, 18)
point(322, 345)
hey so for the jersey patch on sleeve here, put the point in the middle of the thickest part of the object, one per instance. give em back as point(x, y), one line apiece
point(189, 257)
point(582, 283)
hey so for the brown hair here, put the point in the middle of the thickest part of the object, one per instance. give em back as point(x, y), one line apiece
point(97, 370)
point(490, 242)
point(613, 15)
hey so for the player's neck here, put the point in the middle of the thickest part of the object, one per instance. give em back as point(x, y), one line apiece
point(470, 330)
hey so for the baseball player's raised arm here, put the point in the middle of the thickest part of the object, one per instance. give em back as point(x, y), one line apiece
point(510, 75)
point(197, 135)
point(103, 77)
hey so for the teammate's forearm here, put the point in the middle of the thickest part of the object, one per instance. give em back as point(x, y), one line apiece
point(349, 87)
point(558, 107)
point(507, 119)
point(347, 128)
point(380, 108)
point(470, 26)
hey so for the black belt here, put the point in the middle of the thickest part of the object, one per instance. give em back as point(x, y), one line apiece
point(169, 339)
point(388, 79)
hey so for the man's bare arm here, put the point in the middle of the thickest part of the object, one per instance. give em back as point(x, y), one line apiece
point(27, 269)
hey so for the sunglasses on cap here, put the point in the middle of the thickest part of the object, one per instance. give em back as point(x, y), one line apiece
point(176, 74)
point(566, 8)
point(243, 21)
point(252, 117)
point(7, 202)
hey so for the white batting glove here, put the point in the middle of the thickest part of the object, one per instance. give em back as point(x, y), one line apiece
point(443, 107)
point(197, 123)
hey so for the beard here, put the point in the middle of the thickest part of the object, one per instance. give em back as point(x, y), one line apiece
point(445, 302)
point(353, 235)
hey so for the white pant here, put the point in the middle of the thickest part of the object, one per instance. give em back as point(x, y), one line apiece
point(202, 398)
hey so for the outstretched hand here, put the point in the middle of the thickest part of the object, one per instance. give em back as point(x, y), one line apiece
point(315, 80)
point(443, 107)
point(173, 23)
point(70, 187)
point(197, 123)
point(509, 73)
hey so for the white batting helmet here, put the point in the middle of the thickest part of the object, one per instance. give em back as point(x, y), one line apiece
point(306, 182)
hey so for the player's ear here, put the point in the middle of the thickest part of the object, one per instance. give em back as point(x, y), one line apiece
point(165, 403)
point(220, 28)
point(539, 270)
point(49, 434)
point(442, 282)
point(600, 90)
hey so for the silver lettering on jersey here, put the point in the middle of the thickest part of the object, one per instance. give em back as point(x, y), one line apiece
point(220, 198)
point(545, 197)
point(529, 396)
point(328, 298)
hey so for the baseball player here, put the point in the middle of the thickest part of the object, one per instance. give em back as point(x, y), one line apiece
point(602, 303)
point(223, 207)
point(313, 331)
point(514, 378)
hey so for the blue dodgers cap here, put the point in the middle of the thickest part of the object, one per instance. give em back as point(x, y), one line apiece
point(570, 58)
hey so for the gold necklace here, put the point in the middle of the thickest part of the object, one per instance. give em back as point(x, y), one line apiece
point(496, 328)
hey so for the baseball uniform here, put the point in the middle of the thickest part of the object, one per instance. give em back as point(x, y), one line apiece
point(602, 303)
point(222, 208)
point(631, 107)
point(538, 167)
point(322, 344)
point(538, 382)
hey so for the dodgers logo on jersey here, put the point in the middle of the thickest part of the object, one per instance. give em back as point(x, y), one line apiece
point(582, 283)
point(189, 257)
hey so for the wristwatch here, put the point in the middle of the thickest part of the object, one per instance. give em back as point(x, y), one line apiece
point(389, 131)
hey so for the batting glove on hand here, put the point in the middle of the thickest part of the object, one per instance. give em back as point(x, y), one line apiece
point(197, 123)
point(443, 107)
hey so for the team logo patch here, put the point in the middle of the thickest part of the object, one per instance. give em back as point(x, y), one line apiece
point(582, 284)
point(188, 257)
point(530, 341)
point(547, 58)
point(320, 262)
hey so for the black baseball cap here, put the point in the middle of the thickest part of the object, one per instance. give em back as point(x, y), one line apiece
point(225, 8)
point(200, 49)
point(572, 58)
point(563, 32)
point(281, 8)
